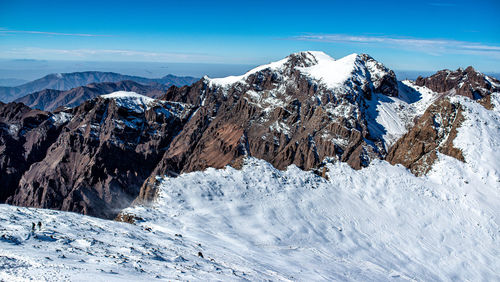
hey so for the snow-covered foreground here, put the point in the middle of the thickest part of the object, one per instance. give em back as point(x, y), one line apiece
point(378, 223)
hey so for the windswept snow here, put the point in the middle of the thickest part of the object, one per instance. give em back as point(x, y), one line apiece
point(258, 223)
point(321, 67)
point(330, 71)
point(73, 247)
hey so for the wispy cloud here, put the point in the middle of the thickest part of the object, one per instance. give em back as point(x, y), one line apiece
point(106, 54)
point(4, 31)
point(429, 46)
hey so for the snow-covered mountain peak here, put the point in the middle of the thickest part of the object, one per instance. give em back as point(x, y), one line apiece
point(333, 72)
point(140, 104)
point(299, 59)
point(316, 65)
point(304, 59)
point(308, 58)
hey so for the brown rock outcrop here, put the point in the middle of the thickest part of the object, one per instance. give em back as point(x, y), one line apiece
point(434, 131)
point(25, 135)
point(469, 83)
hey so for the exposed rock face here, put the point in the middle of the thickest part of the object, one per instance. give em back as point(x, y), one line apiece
point(106, 148)
point(282, 113)
point(434, 132)
point(468, 83)
point(49, 99)
point(25, 135)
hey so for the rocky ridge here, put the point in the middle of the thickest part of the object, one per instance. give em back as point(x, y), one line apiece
point(468, 83)
point(103, 152)
point(96, 158)
point(436, 129)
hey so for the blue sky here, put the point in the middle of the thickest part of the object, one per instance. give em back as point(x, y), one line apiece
point(409, 35)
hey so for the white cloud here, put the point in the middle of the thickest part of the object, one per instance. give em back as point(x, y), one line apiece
point(429, 46)
point(105, 54)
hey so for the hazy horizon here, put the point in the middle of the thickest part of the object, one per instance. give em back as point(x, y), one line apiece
point(29, 69)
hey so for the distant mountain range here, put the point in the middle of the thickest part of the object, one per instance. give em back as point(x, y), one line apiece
point(50, 99)
point(66, 81)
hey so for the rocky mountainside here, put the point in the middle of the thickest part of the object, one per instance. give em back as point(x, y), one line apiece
point(90, 159)
point(25, 135)
point(288, 112)
point(67, 81)
point(468, 83)
point(307, 109)
point(436, 129)
point(49, 99)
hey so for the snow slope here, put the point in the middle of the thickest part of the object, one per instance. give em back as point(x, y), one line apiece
point(330, 71)
point(73, 247)
point(390, 117)
point(379, 223)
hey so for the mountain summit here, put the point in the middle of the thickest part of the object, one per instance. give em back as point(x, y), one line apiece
point(298, 110)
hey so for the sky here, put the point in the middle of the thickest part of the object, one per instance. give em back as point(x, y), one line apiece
point(404, 35)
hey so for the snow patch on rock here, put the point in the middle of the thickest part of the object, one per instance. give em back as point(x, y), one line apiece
point(61, 117)
point(131, 100)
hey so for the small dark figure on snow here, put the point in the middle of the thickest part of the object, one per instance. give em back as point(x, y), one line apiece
point(39, 225)
point(200, 254)
point(33, 226)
